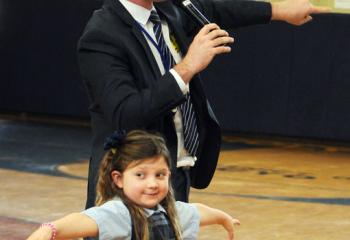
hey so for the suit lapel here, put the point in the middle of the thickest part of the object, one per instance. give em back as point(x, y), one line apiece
point(173, 18)
point(139, 35)
point(129, 20)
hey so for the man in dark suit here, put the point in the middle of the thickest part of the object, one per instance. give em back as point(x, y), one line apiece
point(134, 83)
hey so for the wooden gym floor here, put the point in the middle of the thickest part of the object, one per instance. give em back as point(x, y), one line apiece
point(279, 189)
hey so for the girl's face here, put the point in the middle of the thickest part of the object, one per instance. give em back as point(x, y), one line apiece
point(146, 183)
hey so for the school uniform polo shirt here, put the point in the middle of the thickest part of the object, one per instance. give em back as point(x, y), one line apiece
point(114, 221)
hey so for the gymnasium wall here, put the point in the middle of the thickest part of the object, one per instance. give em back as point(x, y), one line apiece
point(279, 79)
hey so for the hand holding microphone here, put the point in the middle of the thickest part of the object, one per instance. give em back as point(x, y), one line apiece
point(209, 42)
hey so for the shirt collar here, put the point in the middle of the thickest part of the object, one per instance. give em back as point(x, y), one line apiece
point(149, 212)
point(140, 14)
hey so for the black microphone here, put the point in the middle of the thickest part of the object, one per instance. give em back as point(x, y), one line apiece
point(193, 10)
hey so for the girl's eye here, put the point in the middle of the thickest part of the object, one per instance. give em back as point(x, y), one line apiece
point(140, 175)
point(161, 175)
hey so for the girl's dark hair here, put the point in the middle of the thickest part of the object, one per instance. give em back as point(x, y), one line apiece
point(135, 147)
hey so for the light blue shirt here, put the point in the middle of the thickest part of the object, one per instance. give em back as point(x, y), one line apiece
point(114, 222)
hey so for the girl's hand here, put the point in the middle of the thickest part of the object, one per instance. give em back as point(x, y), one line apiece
point(210, 216)
point(43, 233)
point(229, 224)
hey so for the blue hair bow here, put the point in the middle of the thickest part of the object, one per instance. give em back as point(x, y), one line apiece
point(115, 141)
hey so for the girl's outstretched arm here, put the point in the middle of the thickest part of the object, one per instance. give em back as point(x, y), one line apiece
point(71, 226)
point(210, 216)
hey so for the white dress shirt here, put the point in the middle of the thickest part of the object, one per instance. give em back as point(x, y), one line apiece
point(141, 15)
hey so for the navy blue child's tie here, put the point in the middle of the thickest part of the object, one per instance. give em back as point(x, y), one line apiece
point(159, 227)
point(191, 140)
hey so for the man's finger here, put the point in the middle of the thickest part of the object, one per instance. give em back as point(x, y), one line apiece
point(221, 49)
point(209, 27)
point(217, 33)
point(308, 19)
point(305, 20)
point(320, 9)
point(222, 41)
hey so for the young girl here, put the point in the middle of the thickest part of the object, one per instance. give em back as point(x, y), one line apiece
point(135, 199)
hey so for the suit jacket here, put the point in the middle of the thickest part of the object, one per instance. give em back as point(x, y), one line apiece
point(127, 90)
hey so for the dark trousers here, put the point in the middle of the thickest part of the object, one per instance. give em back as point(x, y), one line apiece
point(92, 181)
point(180, 180)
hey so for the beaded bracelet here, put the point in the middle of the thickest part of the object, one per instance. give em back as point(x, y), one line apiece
point(53, 229)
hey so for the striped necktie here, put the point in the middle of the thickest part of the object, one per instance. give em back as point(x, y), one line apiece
point(159, 227)
point(191, 139)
